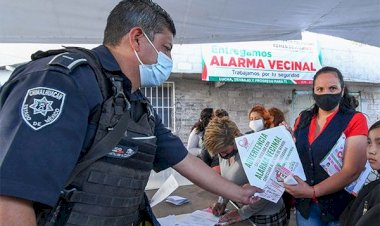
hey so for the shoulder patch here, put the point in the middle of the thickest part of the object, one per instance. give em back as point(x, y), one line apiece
point(42, 106)
point(122, 152)
point(68, 60)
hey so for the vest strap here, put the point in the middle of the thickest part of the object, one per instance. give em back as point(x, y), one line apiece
point(103, 200)
point(82, 219)
point(102, 147)
point(117, 181)
point(67, 60)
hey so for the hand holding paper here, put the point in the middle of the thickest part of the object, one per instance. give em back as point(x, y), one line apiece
point(299, 190)
point(268, 157)
point(218, 209)
point(333, 162)
point(289, 180)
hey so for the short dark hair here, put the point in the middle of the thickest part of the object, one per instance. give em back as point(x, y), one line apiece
point(136, 13)
point(220, 113)
point(374, 126)
point(277, 114)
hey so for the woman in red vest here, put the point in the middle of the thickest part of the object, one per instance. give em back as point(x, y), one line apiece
point(321, 199)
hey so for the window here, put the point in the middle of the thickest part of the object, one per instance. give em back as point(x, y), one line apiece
point(162, 99)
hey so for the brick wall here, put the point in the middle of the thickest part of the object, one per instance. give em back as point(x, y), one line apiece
point(192, 95)
point(356, 61)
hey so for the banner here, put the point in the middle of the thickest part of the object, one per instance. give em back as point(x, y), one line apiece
point(279, 62)
point(269, 158)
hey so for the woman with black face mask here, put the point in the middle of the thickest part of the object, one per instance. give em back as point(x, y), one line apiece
point(219, 140)
point(321, 199)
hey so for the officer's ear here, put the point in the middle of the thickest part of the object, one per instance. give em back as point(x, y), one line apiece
point(135, 36)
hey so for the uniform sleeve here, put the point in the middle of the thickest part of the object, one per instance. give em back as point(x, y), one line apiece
point(43, 123)
point(170, 149)
point(193, 143)
point(357, 126)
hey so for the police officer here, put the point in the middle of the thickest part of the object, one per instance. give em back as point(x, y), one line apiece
point(47, 125)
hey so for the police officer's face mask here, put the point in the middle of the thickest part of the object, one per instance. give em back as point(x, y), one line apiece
point(155, 74)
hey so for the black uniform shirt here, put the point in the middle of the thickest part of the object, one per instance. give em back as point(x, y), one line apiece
point(44, 125)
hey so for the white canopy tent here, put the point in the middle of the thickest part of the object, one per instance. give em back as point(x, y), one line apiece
point(197, 21)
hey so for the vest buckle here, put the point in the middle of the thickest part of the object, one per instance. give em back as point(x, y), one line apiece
point(66, 194)
point(121, 100)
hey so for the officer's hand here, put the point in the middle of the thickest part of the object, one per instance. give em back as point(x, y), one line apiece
point(218, 208)
point(249, 192)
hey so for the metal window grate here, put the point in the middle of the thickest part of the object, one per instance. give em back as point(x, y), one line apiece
point(162, 99)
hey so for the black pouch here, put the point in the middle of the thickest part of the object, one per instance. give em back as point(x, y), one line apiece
point(146, 216)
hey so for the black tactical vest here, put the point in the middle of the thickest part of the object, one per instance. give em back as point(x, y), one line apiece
point(110, 190)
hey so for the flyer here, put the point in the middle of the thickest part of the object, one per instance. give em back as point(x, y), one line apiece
point(333, 163)
point(268, 157)
point(164, 191)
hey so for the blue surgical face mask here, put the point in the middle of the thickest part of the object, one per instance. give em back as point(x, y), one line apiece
point(155, 74)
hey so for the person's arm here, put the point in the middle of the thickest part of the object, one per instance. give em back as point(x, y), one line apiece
point(14, 211)
point(209, 180)
point(247, 211)
point(241, 214)
point(353, 164)
point(235, 173)
point(193, 143)
point(36, 161)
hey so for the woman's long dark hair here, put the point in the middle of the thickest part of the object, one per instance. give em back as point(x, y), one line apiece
point(204, 119)
point(347, 103)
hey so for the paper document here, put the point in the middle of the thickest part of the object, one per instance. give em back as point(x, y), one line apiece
point(199, 218)
point(333, 163)
point(290, 180)
point(176, 200)
point(170, 220)
point(268, 157)
point(196, 218)
point(164, 191)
